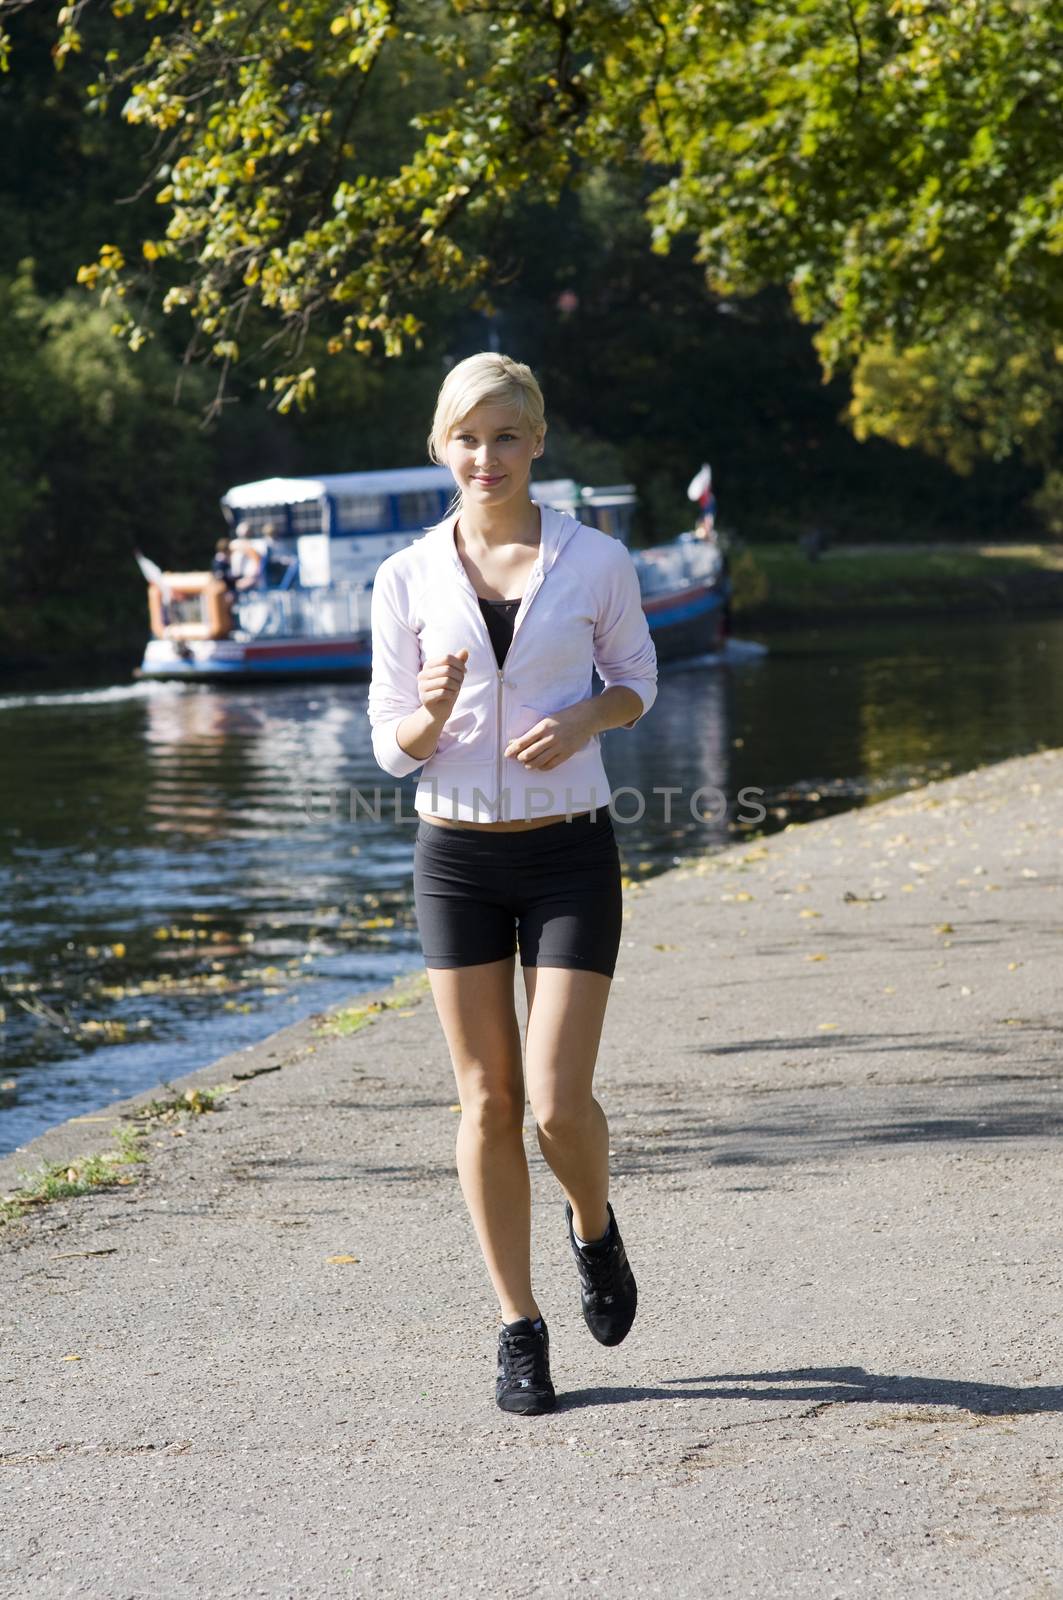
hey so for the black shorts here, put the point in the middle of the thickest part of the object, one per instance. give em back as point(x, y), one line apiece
point(554, 891)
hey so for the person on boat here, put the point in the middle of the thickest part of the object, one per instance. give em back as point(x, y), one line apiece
point(277, 562)
point(476, 675)
point(705, 526)
point(221, 566)
point(247, 557)
point(225, 582)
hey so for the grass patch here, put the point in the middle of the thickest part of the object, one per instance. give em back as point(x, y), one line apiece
point(779, 581)
point(59, 1180)
point(351, 1019)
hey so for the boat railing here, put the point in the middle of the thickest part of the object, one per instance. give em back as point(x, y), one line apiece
point(677, 566)
point(341, 609)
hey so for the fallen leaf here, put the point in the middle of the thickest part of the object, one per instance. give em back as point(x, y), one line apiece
point(340, 1261)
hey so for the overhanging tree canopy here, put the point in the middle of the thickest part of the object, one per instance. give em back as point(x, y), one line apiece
point(895, 164)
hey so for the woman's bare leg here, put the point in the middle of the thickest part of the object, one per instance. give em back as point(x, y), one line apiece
point(479, 1019)
point(566, 1010)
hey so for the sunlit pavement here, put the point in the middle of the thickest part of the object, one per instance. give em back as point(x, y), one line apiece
point(831, 1065)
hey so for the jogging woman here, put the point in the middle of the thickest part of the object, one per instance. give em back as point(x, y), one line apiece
point(485, 633)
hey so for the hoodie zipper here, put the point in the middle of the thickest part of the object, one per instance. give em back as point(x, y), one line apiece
point(534, 584)
point(498, 762)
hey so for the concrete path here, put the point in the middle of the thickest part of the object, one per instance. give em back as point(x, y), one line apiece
point(832, 1066)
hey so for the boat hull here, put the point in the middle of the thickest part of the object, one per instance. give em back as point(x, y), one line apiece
point(691, 623)
point(257, 661)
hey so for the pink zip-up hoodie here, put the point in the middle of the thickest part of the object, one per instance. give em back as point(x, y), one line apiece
point(581, 609)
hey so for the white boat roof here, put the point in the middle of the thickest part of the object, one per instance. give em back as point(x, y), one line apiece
point(295, 491)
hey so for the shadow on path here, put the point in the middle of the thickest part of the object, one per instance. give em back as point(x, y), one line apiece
point(822, 1386)
point(844, 1119)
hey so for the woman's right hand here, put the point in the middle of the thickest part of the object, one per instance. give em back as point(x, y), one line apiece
point(438, 683)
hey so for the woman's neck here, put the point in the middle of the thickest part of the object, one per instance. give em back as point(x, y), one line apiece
point(496, 526)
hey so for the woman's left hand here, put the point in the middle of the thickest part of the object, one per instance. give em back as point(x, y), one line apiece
point(555, 737)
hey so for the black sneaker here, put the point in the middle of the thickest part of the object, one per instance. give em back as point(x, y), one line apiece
point(523, 1382)
point(607, 1283)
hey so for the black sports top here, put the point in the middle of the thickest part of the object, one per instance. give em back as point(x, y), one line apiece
point(499, 616)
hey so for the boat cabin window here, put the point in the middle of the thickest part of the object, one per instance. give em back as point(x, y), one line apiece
point(361, 511)
point(418, 508)
point(307, 517)
point(262, 517)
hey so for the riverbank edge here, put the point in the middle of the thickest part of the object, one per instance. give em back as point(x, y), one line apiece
point(69, 1144)
point(66, 1144)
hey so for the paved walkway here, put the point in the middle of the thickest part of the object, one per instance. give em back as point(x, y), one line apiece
point(832, 1066)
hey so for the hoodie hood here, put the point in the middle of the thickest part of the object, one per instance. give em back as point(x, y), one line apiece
point(558, 528)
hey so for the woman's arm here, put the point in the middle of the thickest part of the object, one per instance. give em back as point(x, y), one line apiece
point(394, 703)
point(624, 652)
point(419, 731)
point(616, 707)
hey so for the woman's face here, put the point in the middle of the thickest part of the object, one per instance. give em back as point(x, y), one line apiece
point(490, 455)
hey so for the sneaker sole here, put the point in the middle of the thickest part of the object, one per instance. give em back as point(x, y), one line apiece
point(612, 1338)
point(527, 1405)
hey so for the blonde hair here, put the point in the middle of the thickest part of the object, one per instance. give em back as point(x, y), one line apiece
point(486, 377)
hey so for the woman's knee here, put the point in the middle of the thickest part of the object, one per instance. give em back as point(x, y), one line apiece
point(563, 1117)
point(494, 1111)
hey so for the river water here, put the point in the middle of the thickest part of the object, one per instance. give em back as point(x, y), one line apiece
point(185, 869)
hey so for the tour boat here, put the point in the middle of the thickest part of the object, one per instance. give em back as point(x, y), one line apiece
point(322, 539)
